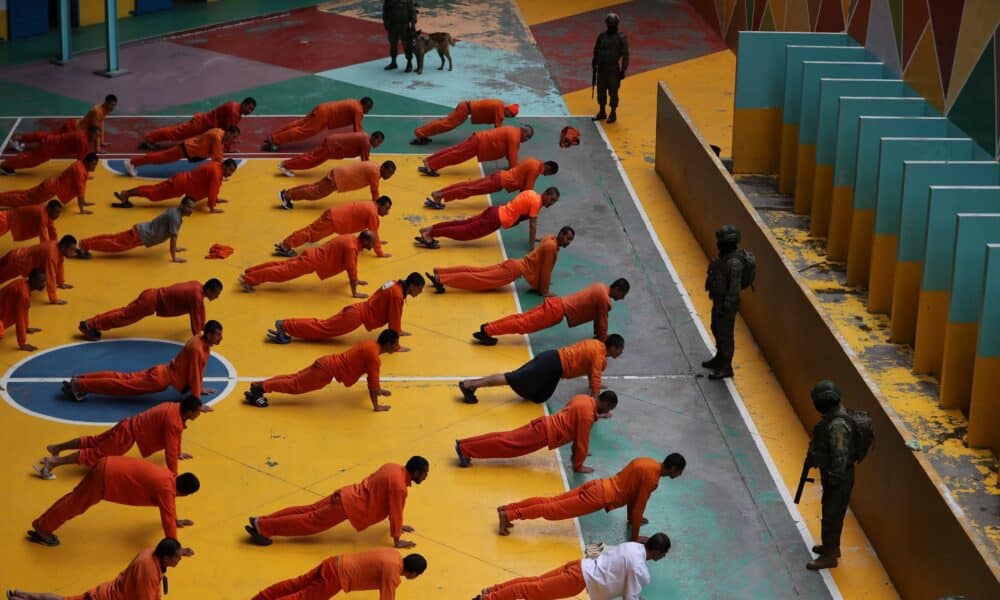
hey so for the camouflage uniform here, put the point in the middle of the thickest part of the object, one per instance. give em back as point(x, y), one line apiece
point(608, 51)
point(830, 450)
point(400, 19)
point(724, 282)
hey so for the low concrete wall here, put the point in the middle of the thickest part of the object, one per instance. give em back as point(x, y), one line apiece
point(924, 544)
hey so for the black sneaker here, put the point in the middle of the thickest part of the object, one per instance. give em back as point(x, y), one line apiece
point(420, 141)
point(257, 537)
point(283, 251)
point(286, 202)
point(89, 333)
point(6, 171)
point(84, 254)
point(438, 286)
point(468, 396)
point(269, 146)
point(484, 338)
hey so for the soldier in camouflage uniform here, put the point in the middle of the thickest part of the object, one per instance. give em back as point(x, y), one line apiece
point(400, 20)
point(724, 282)
point(831, 451)
point(609, 64)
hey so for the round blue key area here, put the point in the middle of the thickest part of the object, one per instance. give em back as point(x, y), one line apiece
point(34, 385)
point(164, 171)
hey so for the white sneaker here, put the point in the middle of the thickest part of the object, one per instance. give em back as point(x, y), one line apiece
point(44, 473)
point(284, 171)
point(17, 145)
point(130, 168)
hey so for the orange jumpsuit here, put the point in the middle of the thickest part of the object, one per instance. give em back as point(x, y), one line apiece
point(338, 255)
point(141, 580)
point(592, 303)
point(67, 126)
point(186, 298)
point(15, 300)
point(27, 222)
point(347, 368)
point(334, 146)
point(69, 184)
point(344, 219)
point(20, 262)
point(328, 115)
point(383, 307)
point(562, 582)
point(525, 205)
point(586, 357)
point(489, 110)
point(222, 117)
point(155, 429)
point(536, 267)
point(203, 182)
point(571, 424)
point(522, 177)
point(348, 177)
point(205, 145)
point(382, 494)
point(184, 373)
point(122, 480)
point(379, 569)
point(490, 144)
point(94, 118)
point(64, 145)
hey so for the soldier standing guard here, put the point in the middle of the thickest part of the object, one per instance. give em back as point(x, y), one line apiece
point(723, 283)
point(609, 64)
point(400, 20)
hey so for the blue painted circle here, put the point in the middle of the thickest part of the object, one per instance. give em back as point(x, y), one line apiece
point(164, 171)
point(34, 385)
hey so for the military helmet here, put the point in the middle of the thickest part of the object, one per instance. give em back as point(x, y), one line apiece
point(826, 390)
point(728, 233)
point(611, 18)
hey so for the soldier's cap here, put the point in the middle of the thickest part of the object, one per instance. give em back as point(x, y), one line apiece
point(728, 233)
point(611, 17)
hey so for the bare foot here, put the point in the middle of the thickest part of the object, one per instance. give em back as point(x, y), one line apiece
point(52, 449)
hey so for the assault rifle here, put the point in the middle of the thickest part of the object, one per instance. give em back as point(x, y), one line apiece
point(804, 478)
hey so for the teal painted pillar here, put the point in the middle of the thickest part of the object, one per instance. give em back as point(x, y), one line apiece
point(111, 40)
point(65, 50)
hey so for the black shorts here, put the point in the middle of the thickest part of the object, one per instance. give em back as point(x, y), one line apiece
point(537, 379)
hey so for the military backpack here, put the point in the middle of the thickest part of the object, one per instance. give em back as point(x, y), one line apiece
point(863, 432)
point(718, 277)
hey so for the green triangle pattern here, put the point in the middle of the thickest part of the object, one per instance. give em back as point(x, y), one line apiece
point(767, 24)
point(896, 9)
point(974, 110)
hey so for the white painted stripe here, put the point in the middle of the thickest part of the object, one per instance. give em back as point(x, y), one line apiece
point(793, 510)
point(290, 116)
point(10, 134)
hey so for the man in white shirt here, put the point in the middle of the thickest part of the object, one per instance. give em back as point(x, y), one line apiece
point(619, 572)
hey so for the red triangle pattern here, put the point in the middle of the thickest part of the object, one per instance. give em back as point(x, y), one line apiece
point(858, 28)
point(915, 15)
point(831, 16)
point(946, 19)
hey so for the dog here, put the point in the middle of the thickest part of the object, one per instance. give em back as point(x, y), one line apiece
point(439, 41)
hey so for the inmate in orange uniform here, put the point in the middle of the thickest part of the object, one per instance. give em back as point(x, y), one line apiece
point(67, 126)
point(27, 222)
point(155, 429)
point(328, 115)
point(571, 424)
point(20, 262)
point(525, 205)
point(344, 219)
point(95, 118)
point(184, 373)
point(345, 178)
point(382, 494)
point(205, 145)
point(562, 582)
point(334, 146)
point(203, 182)
point(586, 357)
point(536, 267)
point(631, 486)
point(379, 569)
point(15, 300)
point(347, 368)
point(592, 303)
point(69, 184)
point(222, 117)
point(491, 144)
point(74, 144)
point(522, 177)
point(142, 579)
point(186, 298)
point(383, 307)
point(122, 480)
point(335, 256)
point(479, 112)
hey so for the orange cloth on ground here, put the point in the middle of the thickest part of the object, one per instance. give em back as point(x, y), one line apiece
point(184, 373)
point(310, 519)
point(523, 176)
point(122, 480)
point(27, 222)
point(506, 444)
point(543, 316)
point(382, 494)
point(592, 303)
point(320, 582)
point(586, 357)
point(347, 368)
point(328, 115)
point(481, 279)
point(632, 486)
point(538, 264)
point(495, 144)
point(220, 251)
point(527, 204)
point(356, 175)
point(343, 219)
point(569, 136)
point(20, 261)
point(155, 429)
point(335, 256)
point(141, 580)
point(113, 243)
point(476, 187)
point(589, 497)
point(562, 582)
point(94, 118)
point(15, 300)
point(206, 145)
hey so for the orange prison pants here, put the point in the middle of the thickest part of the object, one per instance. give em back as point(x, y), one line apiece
point(87, 493)
point(311, 586)
point(177, 133)
point(113, 442)
point(476, 187)
point(36, 195)
point(317, 230)
point(299, 129)
point(26, 159)
point(506, 444)
point(36, 136)
point(472, 228)
point(577, 502)
point(136, 310)
point(447, 123)
point(113, 242)
point(162, 157)
point(304, 381)
point(453, 155)
point(480, 279)
point(310, 159)
point(278, 270)
point(113, 383)
point(313, 191)
point(562, 582)
point(543, 316)
point(339, 324)
point(158, 191)
point(303, 520)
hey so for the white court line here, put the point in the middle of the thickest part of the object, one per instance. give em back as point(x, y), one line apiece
point(793, 510)
point(268, 116)
point(10, 134)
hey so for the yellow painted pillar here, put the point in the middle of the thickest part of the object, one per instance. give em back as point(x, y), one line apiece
point(932, 317)
point(881, 279)
point(805, 167)
point(859, 249)
point(957, 361)
point(836, 224)
point(789, 152)
point(905, 298)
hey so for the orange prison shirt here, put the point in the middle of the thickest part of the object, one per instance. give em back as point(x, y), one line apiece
point(186, 370)
point(40, 256)
point(379, 569)
point(30, 221)
point(382, 494)
point(206, 145)
point(495, 144)
point(385, 306)
point(159, 428)
point(186, 298)
point(337, 255)
point(592, 303)
point(572, 424)
point(340, 113)
point(348, 367)
point(586, 357)
point(141, 580)
point(72, 182)
point(632, 486)
point(488, 110)
point(526, 204)
point(356, 175)
point(136, 482)
point(353, 217)
point(523, 176)
point(538, 264)
point(224, 116)
point(203, 182)
point(15, 300)
point(94, 118)
point(349, 144)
